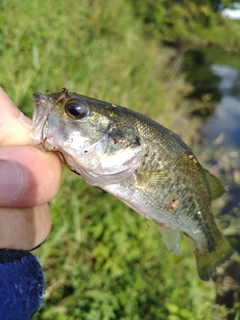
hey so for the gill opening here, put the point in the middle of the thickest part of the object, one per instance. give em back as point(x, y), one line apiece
point(64, 161)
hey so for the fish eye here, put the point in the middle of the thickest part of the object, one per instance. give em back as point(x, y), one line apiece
point(76, 109)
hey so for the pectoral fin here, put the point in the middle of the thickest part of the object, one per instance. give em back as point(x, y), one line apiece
point(150, 180)
point(171, 238)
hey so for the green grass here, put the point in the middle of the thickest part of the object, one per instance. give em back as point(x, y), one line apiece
point(189, 22)
point(87, 48)
point(101, 261)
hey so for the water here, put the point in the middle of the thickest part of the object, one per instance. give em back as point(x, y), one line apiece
point(223, 128)
point(219, 143)
point(222, 132)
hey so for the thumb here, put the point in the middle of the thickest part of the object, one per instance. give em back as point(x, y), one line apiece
point(28, 176)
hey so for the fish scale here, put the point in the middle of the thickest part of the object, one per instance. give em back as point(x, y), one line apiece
point(140, 162)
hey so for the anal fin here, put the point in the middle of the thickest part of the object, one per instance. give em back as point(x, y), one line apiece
point(171, 238)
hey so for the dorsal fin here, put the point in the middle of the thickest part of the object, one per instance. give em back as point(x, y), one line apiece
point(216, 186)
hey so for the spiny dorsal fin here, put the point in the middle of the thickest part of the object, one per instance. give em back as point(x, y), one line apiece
point(216, 186)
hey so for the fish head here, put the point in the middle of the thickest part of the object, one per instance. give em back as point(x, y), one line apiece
point(94, 138)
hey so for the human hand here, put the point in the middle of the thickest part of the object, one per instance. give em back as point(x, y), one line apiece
point(29, 178)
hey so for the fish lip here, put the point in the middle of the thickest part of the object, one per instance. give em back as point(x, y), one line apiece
point(39, 98)
point(37, 95)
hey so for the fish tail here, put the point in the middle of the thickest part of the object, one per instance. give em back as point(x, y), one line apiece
point(207, 261)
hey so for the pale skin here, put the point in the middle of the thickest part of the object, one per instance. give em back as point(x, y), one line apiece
point(25, 220)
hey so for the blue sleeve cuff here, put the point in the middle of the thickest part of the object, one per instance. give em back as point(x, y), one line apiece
point(21, 284)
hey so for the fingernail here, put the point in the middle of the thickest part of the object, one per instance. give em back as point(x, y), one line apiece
point(11, 182)
point(25, 121)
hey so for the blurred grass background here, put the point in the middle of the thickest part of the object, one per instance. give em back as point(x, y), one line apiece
point(101, 261)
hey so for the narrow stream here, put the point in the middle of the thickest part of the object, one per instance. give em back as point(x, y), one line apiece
point(221, 131)
point(221, 135)
point(223, 128)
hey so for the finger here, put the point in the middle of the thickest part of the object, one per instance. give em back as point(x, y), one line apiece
point(14, 126)
point(8, 106)
point(28, 176)
point(25, 228)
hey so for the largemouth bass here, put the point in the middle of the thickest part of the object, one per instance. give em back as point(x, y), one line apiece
point(140, 162)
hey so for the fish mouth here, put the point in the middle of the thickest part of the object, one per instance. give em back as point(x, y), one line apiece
point(41, 113)
point(45, 124)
